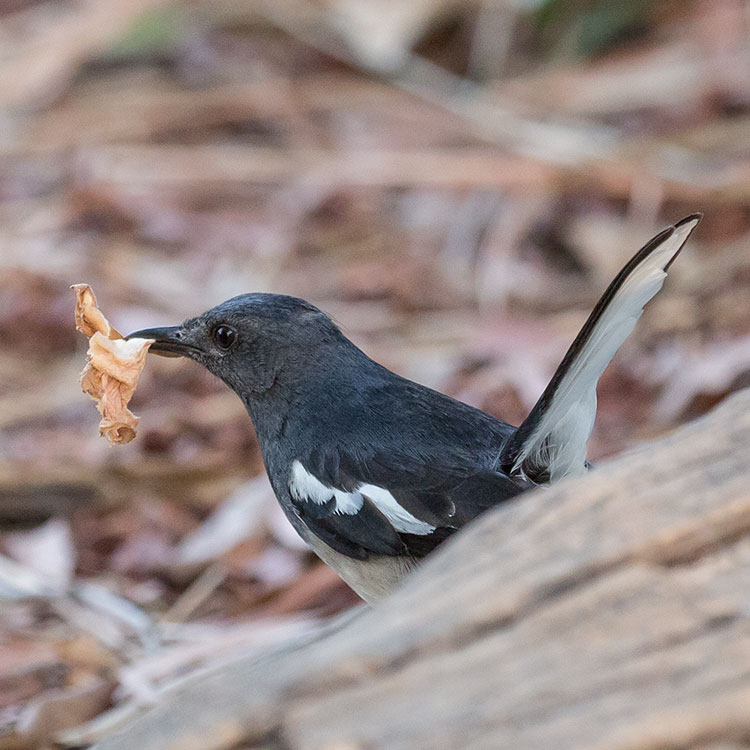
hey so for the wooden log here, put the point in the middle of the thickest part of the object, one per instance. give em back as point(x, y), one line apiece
point(610, 611)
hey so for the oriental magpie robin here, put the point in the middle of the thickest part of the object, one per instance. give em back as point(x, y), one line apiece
point(375, 471)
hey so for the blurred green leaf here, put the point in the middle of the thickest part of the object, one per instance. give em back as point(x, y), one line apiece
point(157, 31)
point(584, 28)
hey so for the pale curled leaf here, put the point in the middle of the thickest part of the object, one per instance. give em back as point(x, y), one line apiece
point(89, 318)
point(110, 377)
point(112, 369)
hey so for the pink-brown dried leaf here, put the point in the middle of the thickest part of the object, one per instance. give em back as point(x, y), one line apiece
point(112, 369)
point(89, 318)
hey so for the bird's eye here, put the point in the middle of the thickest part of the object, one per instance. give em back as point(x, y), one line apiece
point(224, 336)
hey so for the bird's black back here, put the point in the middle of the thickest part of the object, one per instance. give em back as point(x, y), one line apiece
point(357, 425)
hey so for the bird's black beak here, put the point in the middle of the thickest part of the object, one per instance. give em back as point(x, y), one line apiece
point(168, 341)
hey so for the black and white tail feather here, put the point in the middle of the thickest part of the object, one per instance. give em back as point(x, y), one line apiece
point(551, 442)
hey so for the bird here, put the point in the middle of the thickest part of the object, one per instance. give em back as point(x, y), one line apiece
point(375, 471)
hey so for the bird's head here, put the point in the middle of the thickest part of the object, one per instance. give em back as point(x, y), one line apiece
point(254, 341)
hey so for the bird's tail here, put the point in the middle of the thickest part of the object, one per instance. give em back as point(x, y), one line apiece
point(551, 442)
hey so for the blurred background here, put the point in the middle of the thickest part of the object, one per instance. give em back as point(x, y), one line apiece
point(455, 182)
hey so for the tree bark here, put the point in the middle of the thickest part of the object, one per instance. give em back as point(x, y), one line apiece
point(610, 611)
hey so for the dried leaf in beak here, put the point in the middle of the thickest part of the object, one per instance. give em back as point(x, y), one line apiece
point(112, 368)
point(89, 318)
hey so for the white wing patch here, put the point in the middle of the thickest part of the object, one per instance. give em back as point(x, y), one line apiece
point(306, 487)
point(559, 440)
point(400, 518)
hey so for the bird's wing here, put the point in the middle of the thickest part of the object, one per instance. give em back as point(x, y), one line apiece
point(389, 504)
point(551, 442)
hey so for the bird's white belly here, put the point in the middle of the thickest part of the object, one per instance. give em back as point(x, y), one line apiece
point(372, 579)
